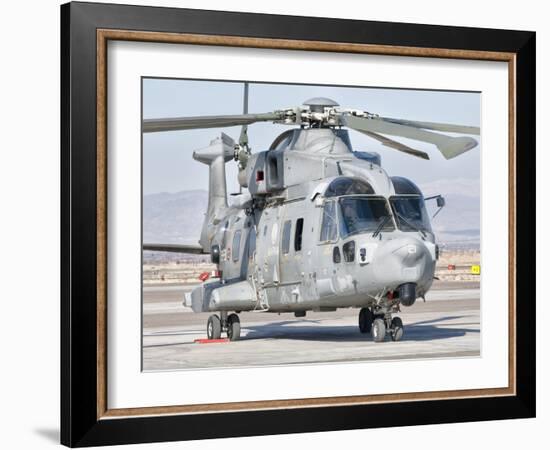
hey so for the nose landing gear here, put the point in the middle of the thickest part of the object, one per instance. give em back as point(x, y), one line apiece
point(226, 323)
point(378, 330)
point(378, 324)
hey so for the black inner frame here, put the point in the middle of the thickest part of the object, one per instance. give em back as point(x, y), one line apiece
point(79, 424)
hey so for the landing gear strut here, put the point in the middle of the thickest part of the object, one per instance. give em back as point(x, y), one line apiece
point(228, 323)
point(379, 324)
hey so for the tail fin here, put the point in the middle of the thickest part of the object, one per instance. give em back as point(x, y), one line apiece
point(215, 156)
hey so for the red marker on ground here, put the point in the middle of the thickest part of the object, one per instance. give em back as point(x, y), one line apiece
point(211, 341)
point(204, 276)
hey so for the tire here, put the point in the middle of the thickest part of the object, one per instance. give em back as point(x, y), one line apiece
point(396, 329)
point(378, 330)
point(214, 327)
point(233, 327)
point(365, 320)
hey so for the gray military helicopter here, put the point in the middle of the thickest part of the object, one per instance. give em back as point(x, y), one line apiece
point(318, 226)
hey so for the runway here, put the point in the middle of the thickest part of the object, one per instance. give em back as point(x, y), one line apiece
point(446, 325)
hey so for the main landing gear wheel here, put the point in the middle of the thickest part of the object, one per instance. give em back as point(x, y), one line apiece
point(233, 327)
point(214, 327)
point(365, 320)
point(396, 329)
point(378, 330)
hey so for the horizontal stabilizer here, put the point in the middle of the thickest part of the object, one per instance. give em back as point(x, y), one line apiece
point(175, 248)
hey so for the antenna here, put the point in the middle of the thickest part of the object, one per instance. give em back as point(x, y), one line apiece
point(243, 138)
point(243, 150)
point(245, 99)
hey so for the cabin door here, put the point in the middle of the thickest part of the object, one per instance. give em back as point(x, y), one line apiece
point(291, 243)
point(267, 247)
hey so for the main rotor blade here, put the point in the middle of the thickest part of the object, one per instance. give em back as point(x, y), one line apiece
point(175, 248)
point(395, 145)
point(449, 147)
point(445, 127)
point(187, 123)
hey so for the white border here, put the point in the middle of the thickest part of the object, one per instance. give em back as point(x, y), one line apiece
point(129, 387)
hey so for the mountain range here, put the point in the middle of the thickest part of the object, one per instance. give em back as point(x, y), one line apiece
point(458, 223)
point(174, 218)
point(177, 217)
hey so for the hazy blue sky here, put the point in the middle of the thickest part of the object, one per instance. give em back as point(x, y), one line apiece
point(169, 167)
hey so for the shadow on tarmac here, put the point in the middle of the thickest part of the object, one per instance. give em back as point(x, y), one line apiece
point(425, 330)
point(419, 331)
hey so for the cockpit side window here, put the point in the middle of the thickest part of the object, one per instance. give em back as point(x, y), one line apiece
point(329, 225)
point(336, 258)
point(349, 251)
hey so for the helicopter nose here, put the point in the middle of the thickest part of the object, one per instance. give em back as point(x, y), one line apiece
point(404, 260)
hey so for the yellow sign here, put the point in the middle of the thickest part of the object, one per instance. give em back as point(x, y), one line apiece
point(476, 270)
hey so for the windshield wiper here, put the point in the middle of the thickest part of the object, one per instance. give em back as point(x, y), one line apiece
point(381, 225)
point(414, 227)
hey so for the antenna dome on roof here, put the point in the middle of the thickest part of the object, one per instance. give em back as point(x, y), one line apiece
point(319, 103)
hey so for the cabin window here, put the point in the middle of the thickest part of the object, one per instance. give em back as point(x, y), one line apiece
point(329, 226)
point(298, 235)
point(286, 237)
point(236, 245)
point(336, 257)
point(349, 251)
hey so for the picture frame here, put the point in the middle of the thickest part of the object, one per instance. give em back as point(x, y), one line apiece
point(86, 419)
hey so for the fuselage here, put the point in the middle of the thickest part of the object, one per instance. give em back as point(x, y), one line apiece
point(340, 232)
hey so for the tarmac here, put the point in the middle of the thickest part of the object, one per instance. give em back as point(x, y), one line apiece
point(446, 325)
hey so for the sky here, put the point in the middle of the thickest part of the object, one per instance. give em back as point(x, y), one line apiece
point(168, 165)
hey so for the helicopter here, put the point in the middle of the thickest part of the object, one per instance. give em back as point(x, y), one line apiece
point(317, 226)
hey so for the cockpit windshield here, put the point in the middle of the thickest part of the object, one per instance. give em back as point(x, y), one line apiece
point(410, 213)
point(363, 215)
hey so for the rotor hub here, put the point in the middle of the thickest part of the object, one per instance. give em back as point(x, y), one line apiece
point(318, 104)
